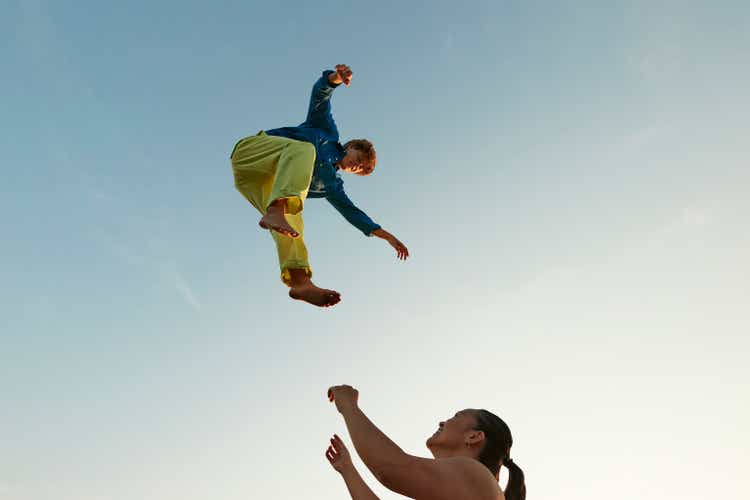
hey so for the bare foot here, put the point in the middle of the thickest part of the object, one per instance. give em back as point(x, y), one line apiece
point(274, 220)
point(314, 295)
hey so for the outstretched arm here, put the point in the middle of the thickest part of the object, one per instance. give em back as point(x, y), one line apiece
point(341, 461)
point(319, 111)
point(414, 477)
point(351, 212)
point(401, 249)
point(361, 221)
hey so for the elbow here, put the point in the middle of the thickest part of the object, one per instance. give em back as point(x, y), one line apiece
point(391, 475)
point(384, 477)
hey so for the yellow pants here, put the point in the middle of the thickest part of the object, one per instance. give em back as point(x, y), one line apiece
point(267, 168)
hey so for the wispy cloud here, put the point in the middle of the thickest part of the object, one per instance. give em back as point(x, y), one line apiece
point(185, 290)
point(145, 256)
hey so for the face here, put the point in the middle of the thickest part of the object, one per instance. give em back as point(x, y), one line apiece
point(453, 433)
point(353, 162)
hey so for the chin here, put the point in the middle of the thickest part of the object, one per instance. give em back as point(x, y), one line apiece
point(432, 441)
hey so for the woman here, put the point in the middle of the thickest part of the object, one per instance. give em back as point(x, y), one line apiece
point(469, 449)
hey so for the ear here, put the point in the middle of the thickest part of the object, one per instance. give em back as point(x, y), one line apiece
point(474, 437)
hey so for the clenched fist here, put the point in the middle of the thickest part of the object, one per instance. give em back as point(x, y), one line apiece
point(345, 397)
point(343, 75)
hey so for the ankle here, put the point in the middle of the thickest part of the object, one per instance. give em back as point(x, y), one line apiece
point(299, 277)
point(278, 206)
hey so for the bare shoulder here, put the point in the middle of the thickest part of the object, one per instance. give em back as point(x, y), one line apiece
point(476, 481)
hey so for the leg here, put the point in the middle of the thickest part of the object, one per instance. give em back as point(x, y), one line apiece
point(302, 288)
point(274, 218)
point(273, 174)
point(295, 267)
point(290, 186)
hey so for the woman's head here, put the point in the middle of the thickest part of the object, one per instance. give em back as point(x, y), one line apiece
point(483, 436)
point(360, 157)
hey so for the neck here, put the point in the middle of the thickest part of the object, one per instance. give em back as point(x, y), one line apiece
point(464, 451)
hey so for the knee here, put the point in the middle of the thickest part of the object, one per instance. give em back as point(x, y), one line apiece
point(303, 151)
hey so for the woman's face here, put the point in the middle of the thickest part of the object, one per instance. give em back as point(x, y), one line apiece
point(453, 433)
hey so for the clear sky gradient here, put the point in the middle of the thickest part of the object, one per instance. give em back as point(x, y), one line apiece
point(571, 179)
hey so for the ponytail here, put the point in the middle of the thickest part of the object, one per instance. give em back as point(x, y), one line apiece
point(516, 487)
point(496, 452)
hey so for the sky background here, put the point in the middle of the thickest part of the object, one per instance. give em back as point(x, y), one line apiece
point(571, 179)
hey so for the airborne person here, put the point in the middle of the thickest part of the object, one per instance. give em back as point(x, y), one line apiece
point(278, 169)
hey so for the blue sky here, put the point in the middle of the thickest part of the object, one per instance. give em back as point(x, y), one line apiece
point(571, 181)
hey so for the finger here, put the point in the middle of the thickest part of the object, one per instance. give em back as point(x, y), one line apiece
point(339, 442)
point(330, 394)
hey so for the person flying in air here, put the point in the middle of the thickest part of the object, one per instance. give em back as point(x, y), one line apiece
point(277, 170)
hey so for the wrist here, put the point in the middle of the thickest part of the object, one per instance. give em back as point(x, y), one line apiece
point(349, 410)
point(334, 78)
point(347, 470)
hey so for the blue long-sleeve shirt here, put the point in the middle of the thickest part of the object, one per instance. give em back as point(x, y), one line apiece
point(320, 130)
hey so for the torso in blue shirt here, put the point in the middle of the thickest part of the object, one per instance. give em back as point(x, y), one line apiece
point(320, 130)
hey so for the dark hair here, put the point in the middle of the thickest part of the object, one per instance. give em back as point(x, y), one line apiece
point(496, 452)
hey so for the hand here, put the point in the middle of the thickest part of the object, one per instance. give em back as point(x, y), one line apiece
point(401, 249)
point(343, 75)
point(345, 397)
point(338, 456)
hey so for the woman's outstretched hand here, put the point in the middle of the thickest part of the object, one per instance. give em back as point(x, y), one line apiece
point(337, 455)
point(345, 397)
point(343, 75)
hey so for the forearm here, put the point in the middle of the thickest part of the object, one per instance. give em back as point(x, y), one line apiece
point(375, 449)
point(382, 233)
point(319, 109)
point(357, 487)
